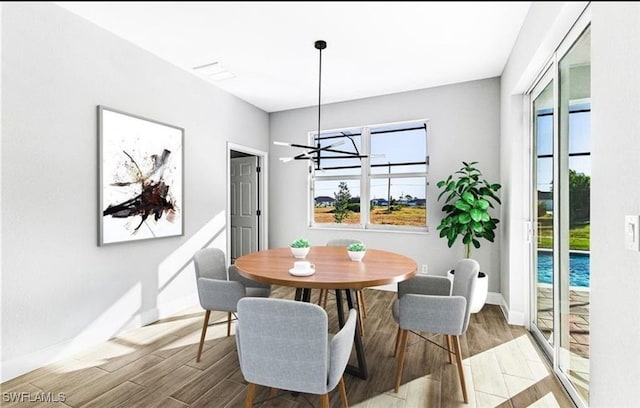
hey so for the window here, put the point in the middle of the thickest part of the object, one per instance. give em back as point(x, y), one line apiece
point(371, 177)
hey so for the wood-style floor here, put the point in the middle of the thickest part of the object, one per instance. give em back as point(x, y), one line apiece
point(155, 366)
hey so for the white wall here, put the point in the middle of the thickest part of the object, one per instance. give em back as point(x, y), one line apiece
point(615, 192)
point(615, 271)
point(464, 125)
point(60, 291)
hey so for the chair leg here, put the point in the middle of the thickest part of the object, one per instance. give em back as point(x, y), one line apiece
point(323, 293)
point(463, 384)
point(403, 347)
point(324, 401)
point(343, 394)
point(397, 346)
point(326, 297)
point(449, 347)
point(360, 321)
point(363, 305)
point(204, 332)
point(228, 324)
point(358, 305)
point(251, 393)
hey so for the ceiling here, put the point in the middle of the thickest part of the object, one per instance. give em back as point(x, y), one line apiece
point(373, 48)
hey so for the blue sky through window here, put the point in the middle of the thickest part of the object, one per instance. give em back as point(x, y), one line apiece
point(579, 142)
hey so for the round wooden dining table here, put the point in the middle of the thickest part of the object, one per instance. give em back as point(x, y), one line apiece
point(334, 270)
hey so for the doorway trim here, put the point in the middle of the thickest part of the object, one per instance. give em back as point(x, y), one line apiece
point(263, 192)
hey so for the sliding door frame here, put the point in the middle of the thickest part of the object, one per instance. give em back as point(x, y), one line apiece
point(551, 72)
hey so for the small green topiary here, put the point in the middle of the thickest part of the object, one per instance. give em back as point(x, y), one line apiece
point(356, 247)
point(300, 243)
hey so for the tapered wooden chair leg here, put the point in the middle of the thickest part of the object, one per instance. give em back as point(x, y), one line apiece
point(360, 323)
point(323, 293)
point(397, 346)
point(463, 383)
point(204, 332)
point(343, 394)
point(363, 305)
point(403, 347)
point(324, 400)
point(449, 347)
point(251, 392)
point(228, 324)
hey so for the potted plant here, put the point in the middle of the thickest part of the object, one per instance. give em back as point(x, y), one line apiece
point(356, 251)
point(300, 248)
point(467, 200)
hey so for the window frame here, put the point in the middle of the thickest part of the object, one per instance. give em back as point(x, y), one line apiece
point(365, 178)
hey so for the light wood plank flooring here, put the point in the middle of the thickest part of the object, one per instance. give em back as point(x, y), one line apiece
point(155, 366)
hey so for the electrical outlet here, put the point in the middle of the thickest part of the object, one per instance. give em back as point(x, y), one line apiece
point(425, 269)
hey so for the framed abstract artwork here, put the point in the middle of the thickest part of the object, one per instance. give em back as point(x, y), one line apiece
point(140, 177)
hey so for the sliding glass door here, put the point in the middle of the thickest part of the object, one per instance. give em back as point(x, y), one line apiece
point(543, 175)
point(575, 179)
point(561, 173)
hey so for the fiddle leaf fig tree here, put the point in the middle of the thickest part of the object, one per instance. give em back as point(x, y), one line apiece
point(468, 197)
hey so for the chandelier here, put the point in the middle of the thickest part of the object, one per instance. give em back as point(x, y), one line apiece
point(314, 152)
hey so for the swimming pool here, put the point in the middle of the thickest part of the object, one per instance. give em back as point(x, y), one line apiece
point(578, 268)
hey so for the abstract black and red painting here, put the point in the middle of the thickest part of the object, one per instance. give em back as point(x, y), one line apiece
point(140, 178)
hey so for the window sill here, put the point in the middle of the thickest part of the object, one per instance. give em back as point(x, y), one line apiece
point(413, 231)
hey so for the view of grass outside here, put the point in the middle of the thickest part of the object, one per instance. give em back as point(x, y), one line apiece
point(380, 215)
point(578, 234)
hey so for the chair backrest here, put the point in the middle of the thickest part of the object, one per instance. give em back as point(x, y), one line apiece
point(343, 242)
point(210, 263)
point(464, 282)
point(283, 344)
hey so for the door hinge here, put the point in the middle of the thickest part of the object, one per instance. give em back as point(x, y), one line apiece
point(258, 213)
point(258, 169)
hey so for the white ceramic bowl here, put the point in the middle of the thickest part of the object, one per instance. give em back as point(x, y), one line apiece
point(356, 255)
point(299, 253)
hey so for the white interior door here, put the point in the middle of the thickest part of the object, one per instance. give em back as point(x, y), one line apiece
point(244, 205)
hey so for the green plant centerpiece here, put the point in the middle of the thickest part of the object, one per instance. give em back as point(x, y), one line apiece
point(356, 251)
point(300, 248)
point(357, 247)
point(300, 243)
point(468, 197)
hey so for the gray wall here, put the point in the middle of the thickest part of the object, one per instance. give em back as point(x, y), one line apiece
point(615, 271)
point(464, 125)
point(60, 292)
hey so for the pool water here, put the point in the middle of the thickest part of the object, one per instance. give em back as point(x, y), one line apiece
point(578, 268)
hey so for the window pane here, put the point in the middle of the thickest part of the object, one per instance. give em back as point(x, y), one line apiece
point(399, 201)
point(399, 149)
point(331, 163)
point(544, 136)
point(580, 129)
point(336, 201)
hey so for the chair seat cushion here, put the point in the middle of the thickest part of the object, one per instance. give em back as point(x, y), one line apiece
point(258, 292)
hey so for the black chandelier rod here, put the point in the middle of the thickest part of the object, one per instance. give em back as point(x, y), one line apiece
point(320, 45)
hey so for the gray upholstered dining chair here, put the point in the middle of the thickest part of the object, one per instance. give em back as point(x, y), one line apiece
point(360, 304)
point(429, 304)
point(285, 344)
point(217, 292)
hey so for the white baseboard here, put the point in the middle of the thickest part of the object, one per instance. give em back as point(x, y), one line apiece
point(17, 366)
point(513, 317)
point(494, 298)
